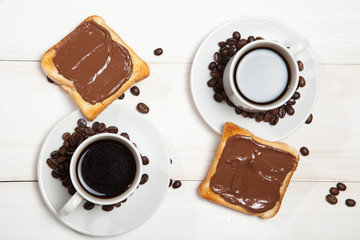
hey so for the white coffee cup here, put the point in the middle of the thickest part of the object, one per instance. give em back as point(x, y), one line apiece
point(81, 193)
point(254, 79)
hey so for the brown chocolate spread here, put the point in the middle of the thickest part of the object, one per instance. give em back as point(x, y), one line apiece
point(250, 174)
point(97, 65)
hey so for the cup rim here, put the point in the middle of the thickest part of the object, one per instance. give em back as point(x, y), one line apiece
point(105, 201)
point(277, 103)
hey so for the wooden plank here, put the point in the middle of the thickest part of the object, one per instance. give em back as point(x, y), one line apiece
point(31, 107)
point(185, 215)
point(29, 28)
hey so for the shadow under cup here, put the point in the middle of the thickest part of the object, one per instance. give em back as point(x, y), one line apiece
point(262, 76)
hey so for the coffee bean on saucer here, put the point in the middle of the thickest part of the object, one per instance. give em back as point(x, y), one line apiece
point(89, 205)
point(170, 182)
point(62, 150)
point(56, 174)
point(171, 161)
point(89, 131)
point(228, 102)
point(145, 160)
point(117, 204)
point(331, 199)
point(251, 39)
point(124, 201)
point(302, 82)
point(245, 114)
point(350, 202)
point(241, 43)
point(212, 65)
point(291, 101)
point(300, 65)
point(215, 74)
point(66, 135)
point(61, 168)
point(259, 38)
point(135, 91)
point(289, 109)
point(253, 115)
point(121, 96)
point(61, 159)
point(282, 112)
point(143, 108)
point(274, 120)
point(259, 118)
point(95, 126)
point(296, 95)
point(112, 129)
point(222, 44)
point(125, 135)
point(216, 57)
point(212, 82)
point(158, 51)
point(304, 151)
point(55, 154)
point(309, 120)
point(144, 178)
point(107, 208)
point(71, 190)
point(225, 52)
point(238, 110)
point(81, 122)
point(218, 97)
point(176, 184)
point(101, 127)
point(236, 35)
point(268, 117)
point(52, 163)
point(334, 191)
point(341, 186)
point(66, 182)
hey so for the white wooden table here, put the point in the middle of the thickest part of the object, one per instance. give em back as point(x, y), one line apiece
point(30, 107)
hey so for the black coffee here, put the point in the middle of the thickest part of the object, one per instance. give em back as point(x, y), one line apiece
point(106, 168)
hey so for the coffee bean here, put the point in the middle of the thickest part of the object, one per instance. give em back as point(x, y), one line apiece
point(66, 144)
point(95, 126)
point(71, 190)
point(259, 118)
point(158, 51)
point(291, 101)
point(231, 41)
point(282, 112)
point(274, 111)
point(212, 82)
point(55, 154)
point(170, 182)
point(302, 82)
point(309, 120)
point(245, 114)
point(268, 117)
point(304, 151)
point(228, 102)
point(171, 161)
point(236, 35)
point(296, 95)
point(216, 57)
point(66, 135)
point(341, 186)
point(176, 184)
point(101, 127)
point(89, 131)
point(66, 182)
point(144, 178)
point(289, 109)
point(55, 173)
point(70, 150)
point(89, 205)
point(251, 39)
point(253, 115)
point(212, 65)
point(300, 65)
point(225, 52)
point(61, 159)
point(218, 97)
point(125, 135)
point(241, 43)
point(238, 110)
point(331, 199)
point(112, 129)
point(117, 204)
point(107, 208)
point(124, 201)
point(49, 80)
point(52, 163)
point(135, 91)
point(67, 165)
point(62, 150)
point(222, 44)
point(145, 160)
point(274, 120)
point(259, 38)
point(81, 122)
point(61, 168)
point(215, 74)
point(122, 96)
point(143, 108)
point(350, 202)
point(334, 191)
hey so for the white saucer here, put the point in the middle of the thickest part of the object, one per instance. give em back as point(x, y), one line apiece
point(216, 114)
point(140, 206)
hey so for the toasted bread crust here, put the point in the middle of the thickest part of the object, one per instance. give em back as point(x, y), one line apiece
point(91, 111)
point(231, 129)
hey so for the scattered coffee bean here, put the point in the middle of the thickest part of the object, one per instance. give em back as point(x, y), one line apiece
point(216, 56)
point(245, 114)
point(231, 41)
point(304, 151)
point(52, 163)
point(122, 96)
point(107, 208)
point(259, 118)
point(144, 178)
point(289, 110)
point(341, 186)
point(334, 191)
point(62, 150)
point(61, 168)
point(296, 95)
point(117, 204)
point(212, 82)
point(101, 127)
point(218, 97)
point(291, 101)
point(61, 159)
point(145, 160)
point(82, 123)
point(176, 184)
point(282, 112)
point(56, 174)
point(89, 205)
point(236, 35)
point(171, 161)
point(158, 51)
point(215, 74)
point(268, 117)
point(143, 108)
point(259, 38)
point(251, 39)
point(238, 110)
point(274, 120)
point(135, 91)
point(302, 82)
point(95, 126)
point(125, 135)
point(300, 65)
point(309, 120)
point(124, 201)
point(170, 182)
point(55, 154)
point(66, 182)
point(89, 131)
point(222, 44)
point(66, 135)
point(49, 80)
point(212, 65)
point(331, 199)
point(71, 190)
point(241, 43)
point(112, 129)
point(350, 202)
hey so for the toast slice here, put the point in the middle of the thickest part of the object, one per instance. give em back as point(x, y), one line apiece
point(91, 110)
point(208, 192)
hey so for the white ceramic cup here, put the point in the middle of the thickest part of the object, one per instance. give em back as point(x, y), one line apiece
point(81, 193)
point(288, 54)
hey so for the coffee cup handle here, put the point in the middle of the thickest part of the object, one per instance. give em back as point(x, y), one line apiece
point(299, 47)
point(71, 205)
